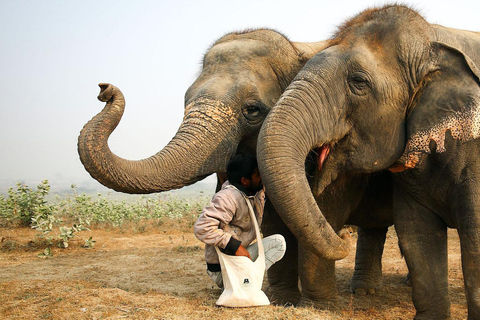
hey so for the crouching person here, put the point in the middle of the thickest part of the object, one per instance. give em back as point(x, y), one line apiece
point(226, 221)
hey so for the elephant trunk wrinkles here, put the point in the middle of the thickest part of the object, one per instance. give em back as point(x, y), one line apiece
point(284, 143)
point(183, 161)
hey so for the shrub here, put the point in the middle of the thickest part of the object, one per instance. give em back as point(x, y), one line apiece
point(59, 222)
point(23, 203)
point(106, 212)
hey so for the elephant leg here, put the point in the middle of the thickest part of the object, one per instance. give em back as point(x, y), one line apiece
point(423, 240)
point(367, 277)
point(283, 275)
point(468, 230)
point(318, 282)
point(471, 274)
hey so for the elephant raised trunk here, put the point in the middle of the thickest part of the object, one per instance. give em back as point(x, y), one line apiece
point(186, 159)
point(282, 149)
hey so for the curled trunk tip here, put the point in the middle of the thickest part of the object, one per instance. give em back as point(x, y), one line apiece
point(107, 91)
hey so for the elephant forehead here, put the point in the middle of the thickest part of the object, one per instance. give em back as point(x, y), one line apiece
point(233, 51)
point(463, 125)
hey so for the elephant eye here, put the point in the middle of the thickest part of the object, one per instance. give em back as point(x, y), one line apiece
point(252, 112)
point(359, 83)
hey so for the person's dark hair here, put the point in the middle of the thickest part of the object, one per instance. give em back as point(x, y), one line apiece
point(241, 165)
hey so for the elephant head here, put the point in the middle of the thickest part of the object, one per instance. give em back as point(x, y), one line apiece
point(383, 93)
point(242, 77)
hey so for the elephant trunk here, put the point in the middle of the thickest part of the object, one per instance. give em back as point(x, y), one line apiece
point(289, 133)
point(200, 148)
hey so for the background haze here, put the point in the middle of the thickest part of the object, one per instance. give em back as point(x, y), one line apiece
point(54, 53)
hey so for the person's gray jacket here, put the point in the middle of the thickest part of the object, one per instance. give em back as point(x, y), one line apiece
point(226, 222)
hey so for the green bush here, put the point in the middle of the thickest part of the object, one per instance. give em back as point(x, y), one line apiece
point(58, 222)
point(106, 212)
point(23, 203)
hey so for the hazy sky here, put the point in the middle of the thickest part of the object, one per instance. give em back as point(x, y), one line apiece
point(54, 53)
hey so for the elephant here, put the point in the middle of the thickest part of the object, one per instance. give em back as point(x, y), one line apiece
point(243, 75)
point(395, 95)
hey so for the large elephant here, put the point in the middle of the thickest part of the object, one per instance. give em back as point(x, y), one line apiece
point(242, 77)
point(390, 91)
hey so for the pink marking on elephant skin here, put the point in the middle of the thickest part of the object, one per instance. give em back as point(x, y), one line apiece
point(463, 125)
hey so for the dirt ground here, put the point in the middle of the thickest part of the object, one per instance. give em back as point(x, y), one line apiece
point(161, 275)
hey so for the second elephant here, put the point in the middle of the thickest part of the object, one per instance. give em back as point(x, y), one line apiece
point(393, 92)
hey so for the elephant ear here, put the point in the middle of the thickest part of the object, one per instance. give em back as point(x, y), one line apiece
point(448, 100)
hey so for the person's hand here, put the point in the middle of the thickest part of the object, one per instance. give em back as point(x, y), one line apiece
point(241, 251)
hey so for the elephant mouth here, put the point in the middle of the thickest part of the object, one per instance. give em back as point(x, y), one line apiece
point(322, 153)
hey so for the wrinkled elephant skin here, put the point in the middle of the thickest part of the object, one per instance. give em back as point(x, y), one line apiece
point(390, 92)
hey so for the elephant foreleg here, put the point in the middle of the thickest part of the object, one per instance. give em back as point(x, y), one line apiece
point(423, 239)
point(367, 277)
point(318, 282)
point(467, 215)
point(283, 275)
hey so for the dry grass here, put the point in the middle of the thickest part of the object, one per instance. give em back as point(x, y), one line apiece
point(159, 274)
